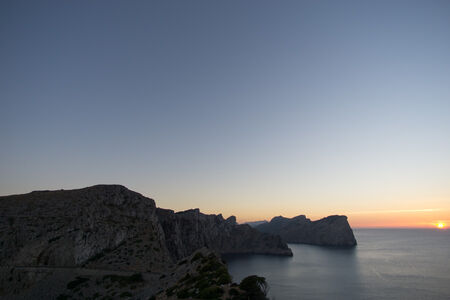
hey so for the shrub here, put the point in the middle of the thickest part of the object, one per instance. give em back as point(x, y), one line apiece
point(197, 256)
point(255, 287)
point(211, 265)
point(224, 278)
point(211, 292)
point(234, 292)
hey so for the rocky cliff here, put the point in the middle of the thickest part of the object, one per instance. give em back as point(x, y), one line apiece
point(329, 231)
point(94, 225)
point(109, 234)
point(190, 230)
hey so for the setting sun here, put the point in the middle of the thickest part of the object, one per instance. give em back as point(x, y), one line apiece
point(440, 225)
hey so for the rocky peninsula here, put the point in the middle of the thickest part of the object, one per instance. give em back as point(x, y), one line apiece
point(329, 231)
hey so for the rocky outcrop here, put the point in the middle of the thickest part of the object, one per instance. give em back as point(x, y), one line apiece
point(205, 276)
point(99, 226)
point(108, 235)
point(189, 230)
point(329, 231)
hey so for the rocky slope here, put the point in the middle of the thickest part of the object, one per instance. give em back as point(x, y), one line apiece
point(205, 276)
point(201, 275)
point(329, 231)
point(50, 238)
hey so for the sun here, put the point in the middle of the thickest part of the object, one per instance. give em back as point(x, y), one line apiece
point(440, 225)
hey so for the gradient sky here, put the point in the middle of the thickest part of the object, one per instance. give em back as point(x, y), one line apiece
point(246, 108)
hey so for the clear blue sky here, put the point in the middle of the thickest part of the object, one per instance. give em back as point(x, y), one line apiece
point(252, 108)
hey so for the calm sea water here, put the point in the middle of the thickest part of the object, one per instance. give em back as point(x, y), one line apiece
point(386, 264)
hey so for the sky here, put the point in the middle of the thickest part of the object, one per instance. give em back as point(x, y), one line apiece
point(247, 108)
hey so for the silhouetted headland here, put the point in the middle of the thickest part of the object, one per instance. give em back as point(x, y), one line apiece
point(329, 231)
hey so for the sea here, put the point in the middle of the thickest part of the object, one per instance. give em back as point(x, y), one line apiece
point(386, 264)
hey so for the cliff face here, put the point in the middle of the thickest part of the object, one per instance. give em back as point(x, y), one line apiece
point(190, 230)
point(107, 234)
point(93, 226)
point(77, 227)
point(329, 231)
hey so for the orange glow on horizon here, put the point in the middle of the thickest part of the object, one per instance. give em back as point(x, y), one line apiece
point(411, 218)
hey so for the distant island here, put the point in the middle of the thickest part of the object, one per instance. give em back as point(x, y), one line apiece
point(256, 223)
point(108, 242)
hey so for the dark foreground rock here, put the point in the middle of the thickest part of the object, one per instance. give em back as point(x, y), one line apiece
point(205, 276)
point(107, 241)
point(329, 231)
point(201, 275)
